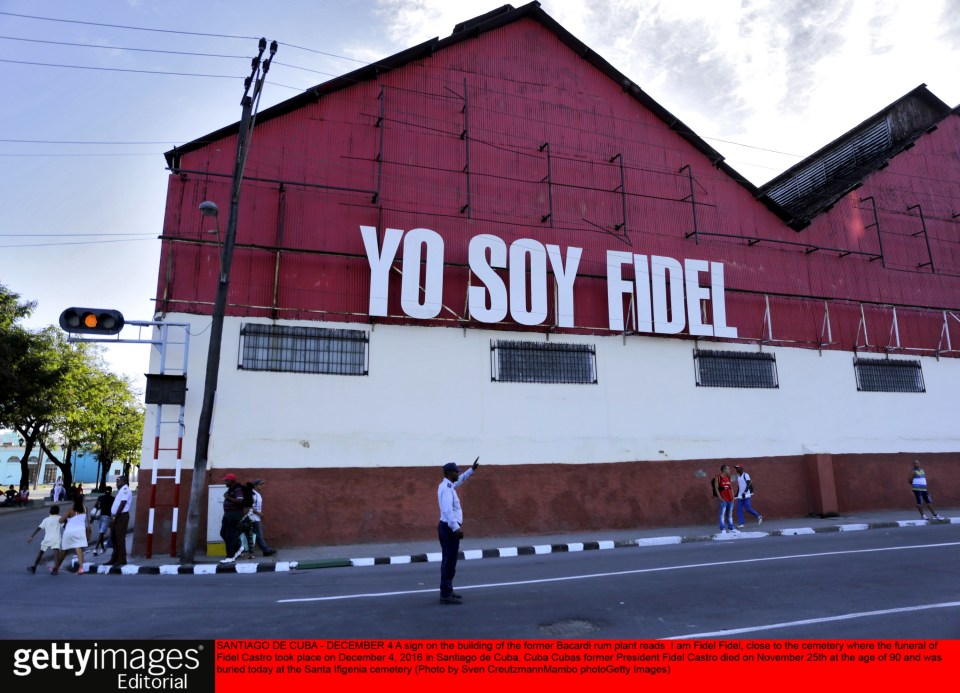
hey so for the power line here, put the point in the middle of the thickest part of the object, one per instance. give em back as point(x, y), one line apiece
point(50, 245)
point(123, 26)
point(172, 31)
point(331, 55)
point(117, 69)
point(165, 143)
point(149, 72)
point(91, 154)
point(307, 69)
point(764, 149)
point(296, 67)
point(68, 235)
point(124, 48)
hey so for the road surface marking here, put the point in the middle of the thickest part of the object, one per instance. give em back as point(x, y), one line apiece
point(638, 571)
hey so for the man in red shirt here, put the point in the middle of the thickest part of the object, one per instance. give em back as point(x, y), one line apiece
point(723, 491)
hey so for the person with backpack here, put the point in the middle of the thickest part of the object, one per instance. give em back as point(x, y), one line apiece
point(723, 491)
point(236, 503)
point(744, 493)
point(243, 536)
point(918, 484)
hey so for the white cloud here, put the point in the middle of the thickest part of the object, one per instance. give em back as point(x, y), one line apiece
point(783, 75)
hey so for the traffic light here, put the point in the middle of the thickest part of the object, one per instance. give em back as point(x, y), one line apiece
point(91, 320)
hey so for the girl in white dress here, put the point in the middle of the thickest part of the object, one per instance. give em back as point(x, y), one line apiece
point(76, 534)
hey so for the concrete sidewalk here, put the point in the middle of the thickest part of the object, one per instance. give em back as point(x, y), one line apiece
point(428, 549)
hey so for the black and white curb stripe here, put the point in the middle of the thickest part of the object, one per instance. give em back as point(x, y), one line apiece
point(629, 543)
point(475, 554)
point(198, 569)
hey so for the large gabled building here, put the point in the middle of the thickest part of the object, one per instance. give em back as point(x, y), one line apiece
point(496, 244)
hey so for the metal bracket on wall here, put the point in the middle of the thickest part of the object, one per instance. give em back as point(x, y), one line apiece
point(876, 223)
point(548, 179)
point(893, 339)
point(926, 236)
point(693, 204)
point(622, 226)
point(862, 326)
point(825, 327)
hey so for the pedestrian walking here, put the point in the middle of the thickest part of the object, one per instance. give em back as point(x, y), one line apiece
point(76, 534)
point(918, 483)
point(450, 529)
point(723, 491)
point(51, 528)
point(119, 522)
point(58, 493)
point(102, 510)
point(744, 494)
point(233, 512)
point(248, 540)
point(258, 518)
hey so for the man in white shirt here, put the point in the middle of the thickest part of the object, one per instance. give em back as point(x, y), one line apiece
point(450, 529)
point(744, 494)
point(119, 521)
point(257, 516)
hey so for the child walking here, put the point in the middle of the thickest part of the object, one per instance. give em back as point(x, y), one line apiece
point(51, 537)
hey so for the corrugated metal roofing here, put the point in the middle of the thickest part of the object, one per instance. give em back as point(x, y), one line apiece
point(512, 133)
point(817, 182)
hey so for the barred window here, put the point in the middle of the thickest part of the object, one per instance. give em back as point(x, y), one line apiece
point(303, 350)
point(540, 362)
point(735, 369)
point(888, 375)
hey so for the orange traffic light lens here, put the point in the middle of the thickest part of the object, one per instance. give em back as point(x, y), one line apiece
point(101, 321)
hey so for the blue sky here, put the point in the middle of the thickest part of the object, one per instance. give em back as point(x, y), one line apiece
point(765, 82)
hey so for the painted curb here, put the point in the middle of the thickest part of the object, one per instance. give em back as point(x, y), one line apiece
point(504, 552)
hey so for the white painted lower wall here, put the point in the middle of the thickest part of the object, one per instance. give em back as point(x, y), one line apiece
point(429, 398)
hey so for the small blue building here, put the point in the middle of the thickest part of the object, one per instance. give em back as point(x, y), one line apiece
point(42, 470)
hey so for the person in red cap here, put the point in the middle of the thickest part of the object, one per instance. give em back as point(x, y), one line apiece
point(233, 512)
point(450, 529)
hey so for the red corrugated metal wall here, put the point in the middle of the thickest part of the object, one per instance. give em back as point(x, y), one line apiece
point(513, 134)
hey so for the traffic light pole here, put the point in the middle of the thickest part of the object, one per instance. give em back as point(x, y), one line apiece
point(199, 481)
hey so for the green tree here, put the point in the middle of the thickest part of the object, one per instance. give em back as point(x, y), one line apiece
point(95, 411)
point(14, 348)
point(113, 422)
point(60, 396)
point(29, 405)
point(66, 431)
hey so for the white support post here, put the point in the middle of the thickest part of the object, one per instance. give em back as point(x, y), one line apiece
point(825, 326)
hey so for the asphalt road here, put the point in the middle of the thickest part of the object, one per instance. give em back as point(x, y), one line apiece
point(899, 583)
